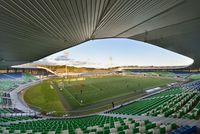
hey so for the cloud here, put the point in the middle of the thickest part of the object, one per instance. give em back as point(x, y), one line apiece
point(42, 61)
point(62, 58)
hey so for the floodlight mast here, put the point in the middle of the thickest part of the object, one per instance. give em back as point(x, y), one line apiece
point(110, 60)
point(66, 70)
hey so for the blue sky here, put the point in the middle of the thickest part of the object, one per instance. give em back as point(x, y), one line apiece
point(104, 53)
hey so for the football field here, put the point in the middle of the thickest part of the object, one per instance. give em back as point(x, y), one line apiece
point(88, 93)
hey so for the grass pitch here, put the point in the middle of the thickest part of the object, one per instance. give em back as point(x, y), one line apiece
point(64, 95)
point(195, 77)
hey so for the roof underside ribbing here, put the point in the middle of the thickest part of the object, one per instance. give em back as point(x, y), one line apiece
point(33, 29)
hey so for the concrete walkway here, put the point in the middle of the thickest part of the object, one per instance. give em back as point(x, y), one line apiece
point(16, 100)
point(164, 120)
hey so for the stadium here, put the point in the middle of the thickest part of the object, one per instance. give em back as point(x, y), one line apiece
point(64, 99)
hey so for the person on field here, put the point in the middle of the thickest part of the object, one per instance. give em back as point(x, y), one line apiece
point(113, 105)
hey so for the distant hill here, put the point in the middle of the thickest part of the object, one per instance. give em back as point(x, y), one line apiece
point(71, 69)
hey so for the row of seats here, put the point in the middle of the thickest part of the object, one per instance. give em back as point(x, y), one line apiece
point(182, 74)
point(13, 76)
point(93, 125)
point(172, 91)
point(187, 107)
point(15, 118)
point(194, 85)
point(1, 97)
point(185, 130)
point(194, 113)
point(142, 106)
point(176, 105)
point(169, 106)
point(28, 77)
point(153, 103)
point(12, 80)
point(9, 110)
point(8, 84)
point(175, 102)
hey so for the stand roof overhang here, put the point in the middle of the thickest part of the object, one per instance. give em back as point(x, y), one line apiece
point(33, 29)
